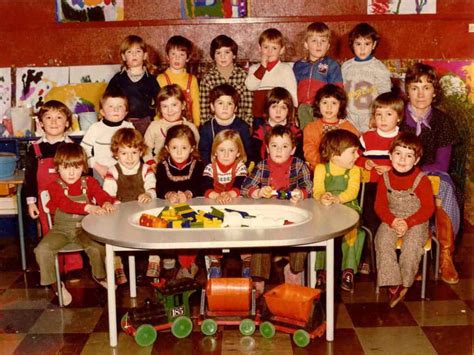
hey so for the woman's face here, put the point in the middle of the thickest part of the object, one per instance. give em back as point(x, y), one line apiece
point(421, 94)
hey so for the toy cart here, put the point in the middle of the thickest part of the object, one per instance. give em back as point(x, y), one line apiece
point(228, 301)
point(294, 310)
point(172, 311)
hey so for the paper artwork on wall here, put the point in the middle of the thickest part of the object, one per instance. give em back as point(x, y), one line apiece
point(92, 73)
point(5, 90)
point(33, 83)
point(401, 7)
point(213, 8)
point(89, 10)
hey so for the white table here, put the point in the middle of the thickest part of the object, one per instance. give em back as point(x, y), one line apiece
point(319, 229)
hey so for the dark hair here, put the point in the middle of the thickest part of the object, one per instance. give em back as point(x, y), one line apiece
point(223, 41)
point(180, 43)
point(271, 35)
point(276, 95)
point(363, 30)
point(179, 131)
point(280, 131)
point(420, 70)
point(115, 93)
point(410, 141)
point(388, 99)
point(55, 105)
point(331, 90)
point(335, 143)
point(129, 138)
point(224, 90)
point(168, 91)
point(71, 154)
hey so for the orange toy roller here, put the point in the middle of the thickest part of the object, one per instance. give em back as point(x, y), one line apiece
point(229, 294)
point(148, 220)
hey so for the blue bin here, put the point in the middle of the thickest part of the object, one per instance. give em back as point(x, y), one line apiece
point(7, 165)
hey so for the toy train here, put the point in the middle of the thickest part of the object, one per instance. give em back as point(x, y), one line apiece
point(287, 308)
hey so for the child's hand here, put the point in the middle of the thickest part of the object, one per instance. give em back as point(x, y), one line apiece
point(380, 169)
point(182, 197)
point(101, 169)
point(224, 197)
point(33, 210)
point(327, 199)
point(400, 226)
point(265, 192)
point(172, 197)
point(144, 198)
point(108, 207)
point(94, 209)
point(369, 165)
point(296, 195)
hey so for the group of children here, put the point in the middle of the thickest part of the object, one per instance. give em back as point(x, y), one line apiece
point(305, 131)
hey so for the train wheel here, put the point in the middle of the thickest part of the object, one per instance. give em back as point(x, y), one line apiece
point(247, 327)
point(267, 330)
point(182, 327)
point(209, 327)
point(301, 338)
point(145, 335)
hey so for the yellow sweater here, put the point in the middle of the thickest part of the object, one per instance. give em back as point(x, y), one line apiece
point(182, 80)
point(353, 185)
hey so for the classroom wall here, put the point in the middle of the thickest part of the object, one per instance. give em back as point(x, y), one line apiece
point(30, 35)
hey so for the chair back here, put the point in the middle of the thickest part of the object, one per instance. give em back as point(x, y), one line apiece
point(364, 178)
point(44, 199)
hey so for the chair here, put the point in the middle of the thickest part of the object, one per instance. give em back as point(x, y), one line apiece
point(435, 182)
point(365, 178)
point(68, 248)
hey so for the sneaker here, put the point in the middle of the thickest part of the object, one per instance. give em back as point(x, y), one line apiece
point(169, 263)
point(120, 277)
point(396, 294)
point(74, 276)
point(67, 297)
point(364, 268)
point(347, 282)
point(185, 272)
point(320, 279)
point(102, 282)
point(292, 278)
point(153, 269)
point(215, 272)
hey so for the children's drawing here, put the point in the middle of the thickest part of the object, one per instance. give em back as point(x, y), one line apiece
point(92, 73)
point(213, 8)
point(5, 90)
point(398, 7)
point(32, 84)
point(89, 10)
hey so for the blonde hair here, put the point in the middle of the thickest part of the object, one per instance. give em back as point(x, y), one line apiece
point(167, 92)
point(130, 41)
point(229, 135)
point(318, 28)
point(129, 138)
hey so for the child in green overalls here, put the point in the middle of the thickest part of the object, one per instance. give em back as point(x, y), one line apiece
point(71, 195)
point(337, 180)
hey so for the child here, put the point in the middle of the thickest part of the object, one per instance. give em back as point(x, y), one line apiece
point(55, 118)
point(271, 72)
point(387, 113)
point(178, 53)
point(404, 203)
point(222, 181)
point(129, 179)
point(279, 110)
point(71, 196)
point(171, 108)
point(315, 70)
point(224, 53)
point(365, 77)
point(179, 179)
point(337, 180)
point(224, 100)
point(280, 171)
point(137, 82)
point(330, 106)
point(97, 140)
point(437, 132)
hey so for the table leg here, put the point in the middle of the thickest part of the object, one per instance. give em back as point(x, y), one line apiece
point(109, 266)
point(132, 276)
point(20, 227)
point(330, 290)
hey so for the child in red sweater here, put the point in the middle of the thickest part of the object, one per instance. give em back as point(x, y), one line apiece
point(404, 203)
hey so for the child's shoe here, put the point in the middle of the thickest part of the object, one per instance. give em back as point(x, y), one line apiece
point(74, 276)
point(347, 282)
point(246, 268)
point(67, 297)
point(320, 279)
point(364, 268)
point(153, 266)
point(120, 277)
point(396, 294)
point(292, 278)
point(215, 270)
point(189, 273)
point(101, 282)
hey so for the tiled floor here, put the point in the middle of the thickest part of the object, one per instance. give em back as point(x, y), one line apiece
point(32, 323)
